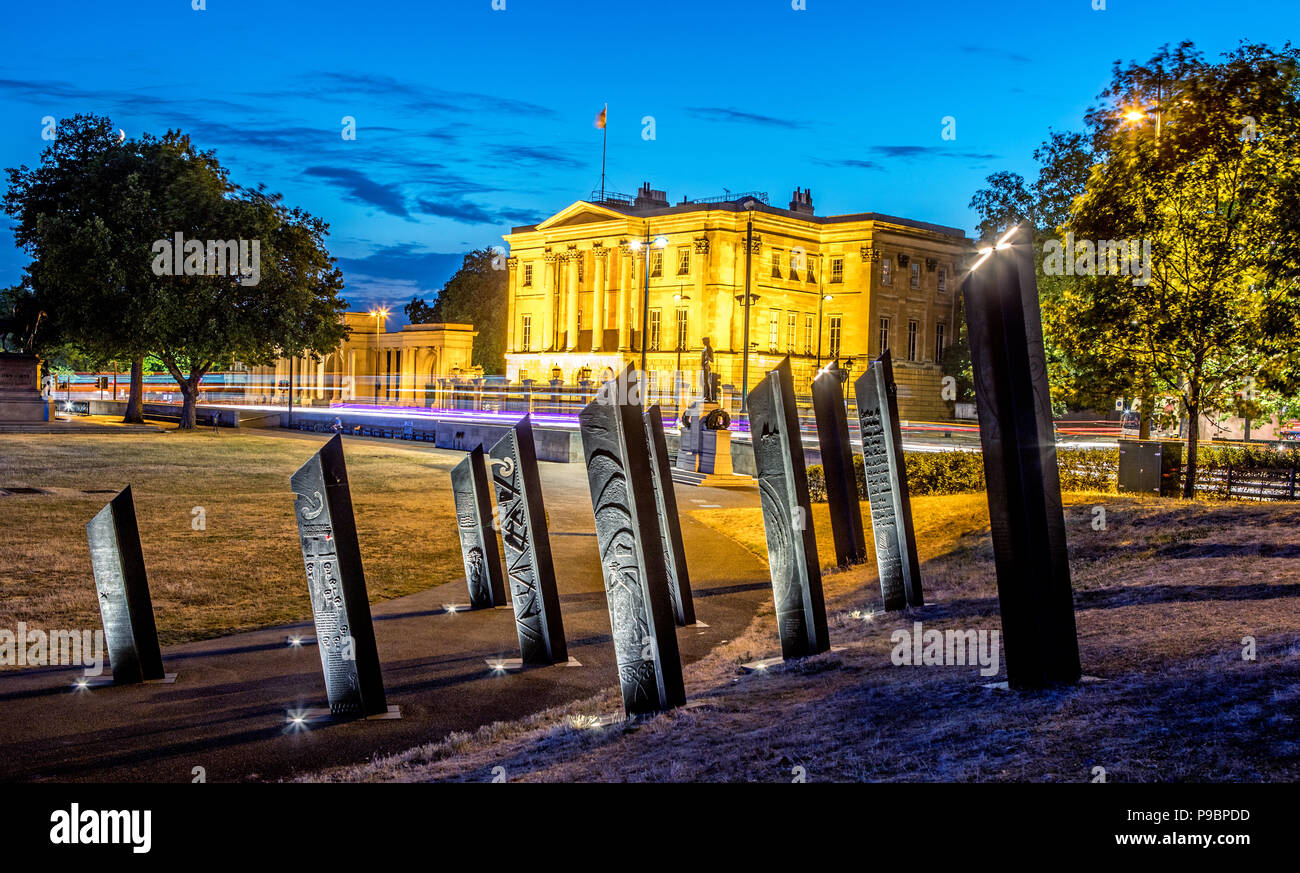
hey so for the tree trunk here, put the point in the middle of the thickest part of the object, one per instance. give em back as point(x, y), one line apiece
point(1193, 440)
point(190, 393)
point(1144, 417)
point(135, 399)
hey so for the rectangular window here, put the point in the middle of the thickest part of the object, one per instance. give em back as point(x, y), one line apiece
point(683, 261)
point(835, 336)
point(837, 270)
point(943, 279)
point(807, 334)
point(911, 340)
point(654, 329)
point(774, 329)
point(657, 263)
point(795, 266)
point(776, 263)
point(791, 331)
point(681, 328)
point(886, 271)
point(916, 275)
point(526, 334)
point(810, 276)
point(938, 343)
point(884, 336)
point(528, 275)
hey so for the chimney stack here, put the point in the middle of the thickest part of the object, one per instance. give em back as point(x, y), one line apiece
point(646, 196)
point(802, 201)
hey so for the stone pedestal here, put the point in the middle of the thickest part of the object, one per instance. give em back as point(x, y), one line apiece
point(20, 395)
point(704, 455)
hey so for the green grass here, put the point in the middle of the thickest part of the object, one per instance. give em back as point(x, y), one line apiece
point(245, 570)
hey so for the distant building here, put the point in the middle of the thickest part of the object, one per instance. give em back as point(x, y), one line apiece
point(576, 289)
point(398, 368)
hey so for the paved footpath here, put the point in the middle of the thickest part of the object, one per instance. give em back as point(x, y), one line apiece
point(227, 710)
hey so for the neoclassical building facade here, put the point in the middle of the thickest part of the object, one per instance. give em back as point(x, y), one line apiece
point(819, 287)
point(375, 365)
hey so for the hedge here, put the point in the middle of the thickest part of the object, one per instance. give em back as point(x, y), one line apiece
point(955, 472)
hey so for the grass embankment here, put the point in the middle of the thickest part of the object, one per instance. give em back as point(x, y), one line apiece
point(1164, 595)
point(245, 569)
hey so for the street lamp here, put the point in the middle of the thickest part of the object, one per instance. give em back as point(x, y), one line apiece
point(749, 299)
point(820, 303)
point(636, 245)
point(379, 312)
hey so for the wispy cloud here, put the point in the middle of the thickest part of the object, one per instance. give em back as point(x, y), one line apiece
point(360, 188)
point(736, 116)
point(991, 52)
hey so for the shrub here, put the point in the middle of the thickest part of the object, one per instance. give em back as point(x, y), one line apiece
point(955, 472)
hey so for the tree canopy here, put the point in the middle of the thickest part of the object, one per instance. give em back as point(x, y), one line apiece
point(1197, 163)
point(145, 247)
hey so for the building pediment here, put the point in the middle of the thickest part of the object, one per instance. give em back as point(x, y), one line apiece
point(579, 213)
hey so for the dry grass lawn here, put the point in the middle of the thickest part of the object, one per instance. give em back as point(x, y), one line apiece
point(245, 570)
point(1164, 596)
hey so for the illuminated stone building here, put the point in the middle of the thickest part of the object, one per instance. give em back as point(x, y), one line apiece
point(844, 286)
point(406, 367)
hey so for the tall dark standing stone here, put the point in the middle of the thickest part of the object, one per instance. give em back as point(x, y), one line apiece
point(123, 589)
point(787, 515)
point(661, 477)
point(837, 466)
point(478, 539)
point(1024, 488)
point(632, 556)
point(527, 547)
point(336, 582)
point(886, 476)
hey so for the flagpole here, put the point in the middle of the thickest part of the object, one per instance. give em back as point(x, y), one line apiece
point(604, 138)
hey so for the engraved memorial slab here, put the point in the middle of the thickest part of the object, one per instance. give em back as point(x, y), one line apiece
point(478, 541)
point(787, 516)
point(527, 545)
point(661, 477)
point(837, 466)
point(122, 587)
point(1024, 488)
point(336, 583)
point(886, 476)
point(632, 556)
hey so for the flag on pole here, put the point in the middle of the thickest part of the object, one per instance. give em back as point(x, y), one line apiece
point(600, 118)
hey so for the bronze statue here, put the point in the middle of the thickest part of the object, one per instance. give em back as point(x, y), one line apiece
point(706, 371)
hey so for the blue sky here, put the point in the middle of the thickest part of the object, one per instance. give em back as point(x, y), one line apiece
point(472, 120)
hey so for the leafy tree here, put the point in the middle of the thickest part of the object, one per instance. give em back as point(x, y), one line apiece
point(418, 312)
point(292, 308)
point(476, 295)
point(1203, 161)
point(90, 216)
point(86, 217)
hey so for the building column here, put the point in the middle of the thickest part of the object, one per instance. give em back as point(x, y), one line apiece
point(512, 307)
point(320, 379)
point(571, 302)
point(350, 373)
point(625, 263)
point(548, 296)
point(598, 300)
